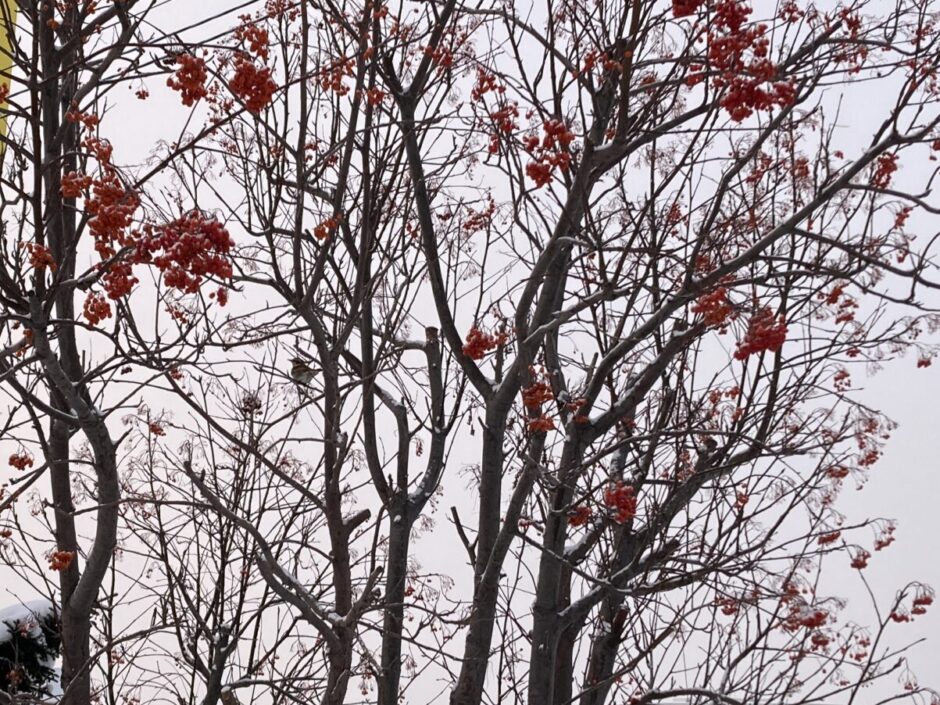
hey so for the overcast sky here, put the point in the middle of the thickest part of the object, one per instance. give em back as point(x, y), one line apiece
point(904, 485)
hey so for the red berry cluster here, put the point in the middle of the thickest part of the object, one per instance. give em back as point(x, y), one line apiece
point(40, 257)
point(252, 84)
point(331, 77)
point(901, 217)
point(729, 605)
point(25, 343)
point(375, 96)
point(739, 54)
point(21, 460)
point(621, 499)
point(485, 83)
point(728, 396)
point(479, 343)
point(111, 208)
point(804, 616)
point(533, 396)
point(842, 380)
point(763, 163)
point(253, 37)
point(819, 641)
point(442, 56)
point(715, 308)
point(833, 297)
point(119, 279)
point(860, 559)
point(750, 82)
point(74, 184)
point(674, 215)
point(684, 8)
point(765, 331)
point(96, 308)
point(870, 435)
point(479, 220)
point(884, 170)
point(178, 314)
point(190, 79)
point(282, 9)
point(89, 120)
point(745, 95)
point(595, 58)
point(187, 249)
point(61, 560)
point(504, 122)
point(791, 12)
point(325, 230)
point(837, 472)
point(580, 515)
point(549, 153)
point(100, 149)
point(540, 424)
point(576, 405)
point(862, 642)
point(536, 394)
point(845, 312)
point(922, 600)
point(900, 614)
point(853, 52)
point(221, 296)
point(886, 536)
point(450, 46)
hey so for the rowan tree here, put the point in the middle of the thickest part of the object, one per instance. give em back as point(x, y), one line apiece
point(75, 244)
point(465, 352)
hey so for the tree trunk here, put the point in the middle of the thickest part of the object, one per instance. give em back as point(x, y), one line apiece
point(395, 584)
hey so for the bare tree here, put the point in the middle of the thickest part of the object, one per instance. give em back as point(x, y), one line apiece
point(610, 266)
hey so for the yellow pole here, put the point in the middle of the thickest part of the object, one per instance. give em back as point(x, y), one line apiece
point(7, 23)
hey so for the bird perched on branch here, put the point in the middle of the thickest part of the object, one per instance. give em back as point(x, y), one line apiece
point(171, 51)
point(301, 372)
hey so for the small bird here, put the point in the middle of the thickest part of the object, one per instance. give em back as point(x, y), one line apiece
point(301, 372)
